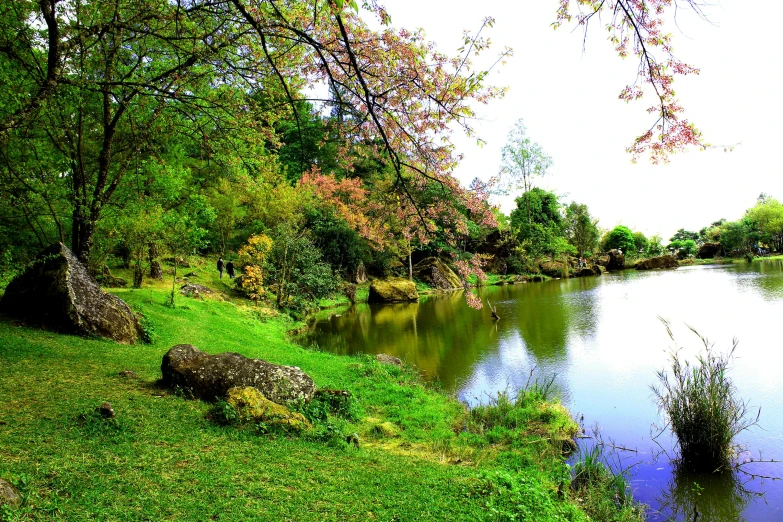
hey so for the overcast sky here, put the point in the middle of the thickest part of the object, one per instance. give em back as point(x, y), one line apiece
point(569, 101)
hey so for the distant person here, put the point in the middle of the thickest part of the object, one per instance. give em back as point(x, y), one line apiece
point(220, 267)
point(230, 269)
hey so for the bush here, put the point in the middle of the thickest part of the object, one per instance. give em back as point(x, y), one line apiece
point(703, 409)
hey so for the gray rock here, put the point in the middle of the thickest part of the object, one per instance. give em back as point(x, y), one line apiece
point(388, 359)
point(209, 377)
point(197, 291)
point(8, 495)
point(57, 292)
point(128, 374)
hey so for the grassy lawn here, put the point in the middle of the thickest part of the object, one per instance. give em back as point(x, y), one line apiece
point(422, 455)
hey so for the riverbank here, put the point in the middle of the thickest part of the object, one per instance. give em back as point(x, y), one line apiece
point(422, 455)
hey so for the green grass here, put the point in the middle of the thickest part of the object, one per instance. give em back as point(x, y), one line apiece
point(420, 457)
point(703, 407)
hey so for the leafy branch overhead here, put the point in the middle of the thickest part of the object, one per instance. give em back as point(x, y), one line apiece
point(636, 27)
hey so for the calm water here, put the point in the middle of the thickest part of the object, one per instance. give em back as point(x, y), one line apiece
point(603, 340)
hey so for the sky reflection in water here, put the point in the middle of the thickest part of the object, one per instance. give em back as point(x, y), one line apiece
point(602, 339)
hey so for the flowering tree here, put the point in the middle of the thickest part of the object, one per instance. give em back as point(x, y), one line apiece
point(637, 27)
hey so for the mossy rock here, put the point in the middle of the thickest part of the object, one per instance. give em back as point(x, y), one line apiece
point(437, 274)
point(554, 268)
point(655, 263)
point(393, 290)
point(251, 405)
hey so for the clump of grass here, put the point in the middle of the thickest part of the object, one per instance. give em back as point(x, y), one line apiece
point(702, 406)
point(512, 413)
point(600, 490)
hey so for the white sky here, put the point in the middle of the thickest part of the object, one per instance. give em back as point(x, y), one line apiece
point(569, 102)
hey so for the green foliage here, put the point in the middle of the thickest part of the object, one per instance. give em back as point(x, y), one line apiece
point(684, 247)
point(620, 237)
point(768, 218)
point(702, 406)
point(581, 229)
point(655, 247)
point(538, 223)
point(641, 243)
point(296, 269)
point(738, 237)
point(684, 235)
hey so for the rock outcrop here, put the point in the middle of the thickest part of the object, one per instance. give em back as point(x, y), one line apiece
point(209, 377)
point(612, 260)
point(197, 291)
point(657, 262)
point(709, 250)
point(554, 269)
point(56, 291)
point(251, 405)
point(392, 291)
point(437, 274)
point(592, 270)
point(8, 495)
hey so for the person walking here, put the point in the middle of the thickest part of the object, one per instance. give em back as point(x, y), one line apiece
point(220, 267)
point(230, 269)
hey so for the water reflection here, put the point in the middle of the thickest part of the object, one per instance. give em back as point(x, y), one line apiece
point(715, 498)
point(601, 337)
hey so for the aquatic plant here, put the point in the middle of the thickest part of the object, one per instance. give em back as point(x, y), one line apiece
point(703, 408)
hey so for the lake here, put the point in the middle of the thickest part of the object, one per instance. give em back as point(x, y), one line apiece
point(602, 339)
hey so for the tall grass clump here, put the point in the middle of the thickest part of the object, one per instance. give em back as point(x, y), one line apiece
point(601, 490)
point(703, 408)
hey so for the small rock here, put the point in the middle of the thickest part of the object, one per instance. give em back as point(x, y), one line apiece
point(388, 359)
point(106, 410)
point(8, 495)
point(353, 438)
point(191, 274)
point(128, 374)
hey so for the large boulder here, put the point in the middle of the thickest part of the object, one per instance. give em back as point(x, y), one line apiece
point(209, 377)
point(657, 262)
point(592, 270)
point(612, 260)
point(393, 290)
point(56, 291)
point(437, 274)
point(708, 250)
point(554, 268)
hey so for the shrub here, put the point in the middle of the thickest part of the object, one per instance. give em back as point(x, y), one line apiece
point(705, 413)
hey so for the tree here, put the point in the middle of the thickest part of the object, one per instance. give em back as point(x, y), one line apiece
point(541, 233)
point(655, 247)
point(682, 235)
point(522, 160)
point(641, 243)
point(581, 229)
point(738, 237)
point(95, 84)
point(637, 27)
point(768, 216)
point(620, 237)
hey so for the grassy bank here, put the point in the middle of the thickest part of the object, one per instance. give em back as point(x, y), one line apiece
point(422, 455)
